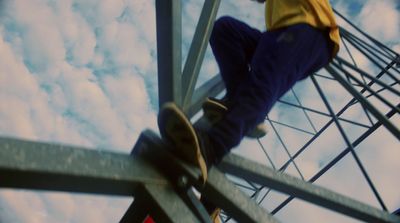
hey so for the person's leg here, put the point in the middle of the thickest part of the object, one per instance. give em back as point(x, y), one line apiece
point(233, 44)
point(281, 58)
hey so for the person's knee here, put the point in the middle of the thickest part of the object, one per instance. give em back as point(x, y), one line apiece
point(222, 26)
point(223, 21)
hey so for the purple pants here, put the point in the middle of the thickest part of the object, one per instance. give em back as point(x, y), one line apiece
point(258, 68)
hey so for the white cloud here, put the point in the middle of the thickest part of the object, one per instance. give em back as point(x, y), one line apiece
point(63, 87)
point(397, 48)
point(63, 80)
point(25, 104)
point(387, 27)
point(305, 212)
point(379, 154)
point(41, 41)
point(21, 205)
point(29, 206)
point(128, 93)
point(380, 19)
point(130, 49)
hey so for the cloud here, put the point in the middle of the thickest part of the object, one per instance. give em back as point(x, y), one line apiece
point(305, 212)
point(41, 42)
point(387, 27)
point(68, 70)
point(74, 72)
point(380, 19)
point(21, 205)
point(29, 206)
point(25, 104)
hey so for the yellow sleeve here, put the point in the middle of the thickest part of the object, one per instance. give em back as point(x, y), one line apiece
point(317, 13)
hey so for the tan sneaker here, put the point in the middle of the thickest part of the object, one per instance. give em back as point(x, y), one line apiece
point(177, 129)
point(214, 110)
point(215, 215)
point(258, 132)
point(212, 210)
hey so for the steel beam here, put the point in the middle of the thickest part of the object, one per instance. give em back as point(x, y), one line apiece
point(155, 151)
point(194, 203)
point(357, 95)
point(218, 188)
point(169, 39)
point(337, 158)
point(373, 40)
point(232, 200)
point(266, 176)
point(373, 79)
point(166, 206)
point(211, 88)
point(349, 143)
point(137, 211)
point(45, 166)
point(197, 49)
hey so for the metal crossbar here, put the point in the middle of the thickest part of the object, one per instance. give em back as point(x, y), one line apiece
point(161, 190)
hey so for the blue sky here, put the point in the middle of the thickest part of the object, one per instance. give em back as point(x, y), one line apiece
point(84, 73)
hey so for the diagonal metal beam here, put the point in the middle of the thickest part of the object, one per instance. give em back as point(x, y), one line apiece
point(169, 39)
point(197, 49)
point(232, 200)
point(150, 147)
point(373, 79)
point(339, 157)
point(137, 211)
point(218, 188)
point(194, 203)
point(323, 113)
point(373, 40)
point(320, 196)
point(349, 144)
point(370, 107)
point(45, 166)
point(211, 88)
point(166, 206)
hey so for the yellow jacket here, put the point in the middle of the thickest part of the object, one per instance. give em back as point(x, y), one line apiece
point(317, 13)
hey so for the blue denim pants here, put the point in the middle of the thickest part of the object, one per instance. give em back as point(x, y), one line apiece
point(258, 68)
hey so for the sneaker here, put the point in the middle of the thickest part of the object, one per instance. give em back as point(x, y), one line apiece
point(177, 129)
point(212, 210)
point(214, 110)
point(258, 132)
point(215, 215)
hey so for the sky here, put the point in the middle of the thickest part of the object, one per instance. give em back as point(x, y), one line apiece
point(85, 73)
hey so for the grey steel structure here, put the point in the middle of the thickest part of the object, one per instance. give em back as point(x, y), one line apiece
point(162, 185)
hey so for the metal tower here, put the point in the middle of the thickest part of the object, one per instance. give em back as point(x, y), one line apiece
point(162, 185)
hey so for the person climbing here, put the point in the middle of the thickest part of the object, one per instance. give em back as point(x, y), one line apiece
point(257, 68)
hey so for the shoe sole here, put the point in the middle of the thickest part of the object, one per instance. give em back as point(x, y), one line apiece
point(176, 128)
point(215, 215)
point(214, 111)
